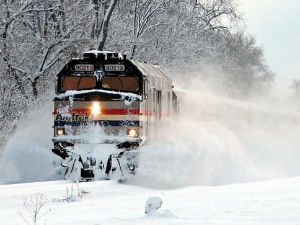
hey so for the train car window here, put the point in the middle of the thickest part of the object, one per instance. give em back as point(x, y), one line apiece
point(77, 82)
point(159, 104)
point(168, 102)
point(174, 102)
point(145, 89)
point(120, 83)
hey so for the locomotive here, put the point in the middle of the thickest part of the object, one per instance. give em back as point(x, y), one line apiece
point(105, 107)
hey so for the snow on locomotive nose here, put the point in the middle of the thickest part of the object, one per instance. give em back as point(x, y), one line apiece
point(105, 108)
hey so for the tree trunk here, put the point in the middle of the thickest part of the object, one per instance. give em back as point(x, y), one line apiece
point(104, 28)
point(34, 87)
point(6, 59)
point(132, 53)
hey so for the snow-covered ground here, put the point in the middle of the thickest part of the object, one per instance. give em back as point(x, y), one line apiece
point(108, 202)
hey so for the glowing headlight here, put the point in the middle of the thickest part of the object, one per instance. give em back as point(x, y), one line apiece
point(95, 108)
point(132, 132)
point(60, 131)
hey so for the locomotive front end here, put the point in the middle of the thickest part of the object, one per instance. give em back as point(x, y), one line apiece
point(97, 116)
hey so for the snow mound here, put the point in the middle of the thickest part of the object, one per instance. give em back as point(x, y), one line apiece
point(152, 205)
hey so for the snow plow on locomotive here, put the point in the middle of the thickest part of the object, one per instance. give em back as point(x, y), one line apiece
point(106, 106)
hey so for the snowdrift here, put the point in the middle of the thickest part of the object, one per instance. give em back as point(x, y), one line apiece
point(108, 202)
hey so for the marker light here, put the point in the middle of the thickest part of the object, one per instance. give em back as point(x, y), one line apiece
point(60, 131)
point(132, 132)
point(95, 108)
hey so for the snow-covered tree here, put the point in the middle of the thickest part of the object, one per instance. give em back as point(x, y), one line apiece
point(102, 11)
point(39, 36)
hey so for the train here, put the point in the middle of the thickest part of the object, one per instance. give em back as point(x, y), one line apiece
point(106, 106)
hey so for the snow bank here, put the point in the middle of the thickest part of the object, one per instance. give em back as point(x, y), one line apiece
point(108, 202)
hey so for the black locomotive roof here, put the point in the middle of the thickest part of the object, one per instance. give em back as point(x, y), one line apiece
point(96, 57)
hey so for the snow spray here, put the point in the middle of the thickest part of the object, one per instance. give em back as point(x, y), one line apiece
point(217, 141)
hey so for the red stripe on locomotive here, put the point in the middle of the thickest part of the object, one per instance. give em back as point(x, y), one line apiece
point(113, 112)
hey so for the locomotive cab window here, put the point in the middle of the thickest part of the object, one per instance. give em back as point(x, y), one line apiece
point(120, 83)
point(77, 82)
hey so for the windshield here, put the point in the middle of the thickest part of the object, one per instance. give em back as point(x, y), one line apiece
point(120, 83)
point(77, 82)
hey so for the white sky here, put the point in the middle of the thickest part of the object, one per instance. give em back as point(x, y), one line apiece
point(276, 26)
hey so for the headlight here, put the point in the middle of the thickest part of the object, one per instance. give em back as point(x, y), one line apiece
point(60, 131)
point(95, 108)
point(132, 132)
